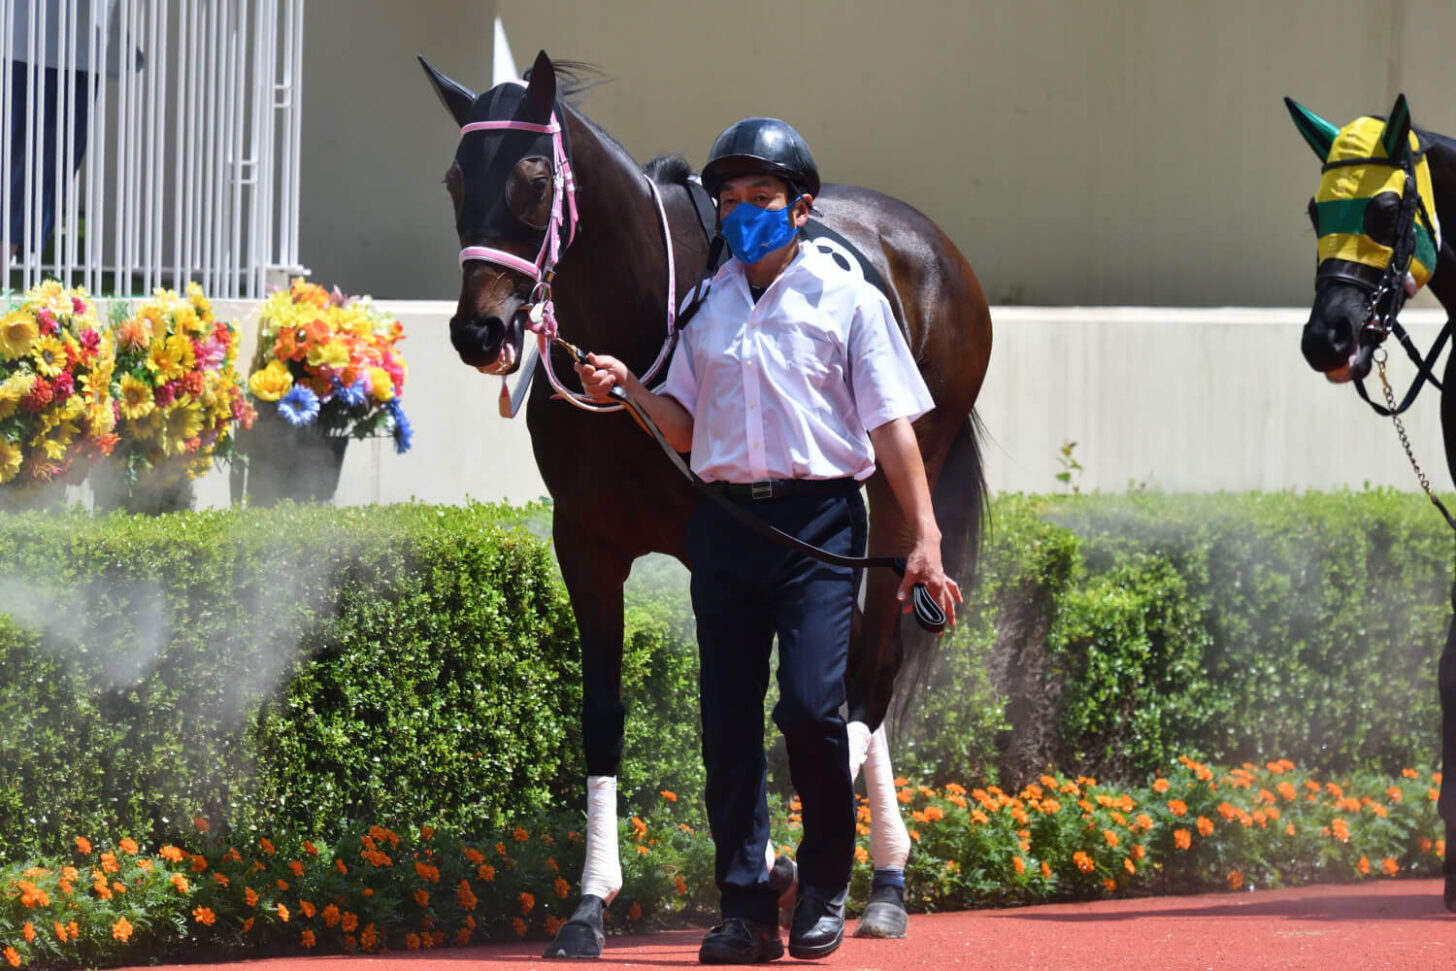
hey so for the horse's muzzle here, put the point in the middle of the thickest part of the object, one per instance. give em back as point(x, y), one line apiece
point(489, 343)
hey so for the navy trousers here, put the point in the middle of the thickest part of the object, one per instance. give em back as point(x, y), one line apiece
point(49, 102)
point(746, 589)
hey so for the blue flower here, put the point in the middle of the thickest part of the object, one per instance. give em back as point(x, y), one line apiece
point(404, 432)
point(355, 395)
point(300, 406)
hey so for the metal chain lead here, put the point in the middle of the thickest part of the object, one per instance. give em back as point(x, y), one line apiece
point(1379, 357)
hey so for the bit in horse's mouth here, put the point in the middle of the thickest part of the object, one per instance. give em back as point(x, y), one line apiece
point(504, 363)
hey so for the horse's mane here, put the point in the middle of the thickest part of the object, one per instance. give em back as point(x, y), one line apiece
point(668, 170)
point(1446, 142)
point(574, 78)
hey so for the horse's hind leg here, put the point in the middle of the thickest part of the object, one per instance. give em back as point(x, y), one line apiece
point(594, 575)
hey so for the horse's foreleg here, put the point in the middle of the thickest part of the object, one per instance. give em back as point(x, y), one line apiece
point(594, 578)
point(884, 914)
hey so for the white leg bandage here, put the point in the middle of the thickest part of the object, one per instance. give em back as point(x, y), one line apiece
point(602, 874)
point(889, 842)
point(859, 746)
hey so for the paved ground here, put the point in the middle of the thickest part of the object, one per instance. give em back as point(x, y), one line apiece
point(1378, 924)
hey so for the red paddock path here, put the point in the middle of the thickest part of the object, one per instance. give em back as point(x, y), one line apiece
point(1378, 924)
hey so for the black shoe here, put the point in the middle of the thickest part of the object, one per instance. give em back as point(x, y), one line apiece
point(818, 924)
point(741, 941)
point(1450, 894)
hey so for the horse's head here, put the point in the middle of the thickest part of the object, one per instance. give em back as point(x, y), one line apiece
point(1374, 216)
point(508, 206)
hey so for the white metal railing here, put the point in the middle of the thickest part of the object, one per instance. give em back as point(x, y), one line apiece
point(157, 139)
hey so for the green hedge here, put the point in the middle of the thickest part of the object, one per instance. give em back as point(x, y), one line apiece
point(307, 668)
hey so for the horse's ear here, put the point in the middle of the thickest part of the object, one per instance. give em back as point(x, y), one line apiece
point(541, 91)
point(456, 98)
point(1319, 133)
point(1396, 134)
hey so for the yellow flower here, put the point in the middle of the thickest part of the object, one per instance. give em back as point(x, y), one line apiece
point(183, 421)
point(172, 358)
point(383, 386)
point(271, 383)
point(10, 458)
point(49, 355)
point(136, 398)
point(334, 354)
point(17, 332)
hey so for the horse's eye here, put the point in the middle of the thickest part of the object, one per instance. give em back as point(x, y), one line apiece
point(1314, 215)
point(540, 186)
point(1381, 213)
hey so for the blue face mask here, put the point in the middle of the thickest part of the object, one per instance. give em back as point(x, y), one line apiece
point(753, 233)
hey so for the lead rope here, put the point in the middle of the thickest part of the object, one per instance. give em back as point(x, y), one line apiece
point(1379, 357)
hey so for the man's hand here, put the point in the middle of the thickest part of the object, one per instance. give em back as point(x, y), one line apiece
point(923, 566)
point(600, 374)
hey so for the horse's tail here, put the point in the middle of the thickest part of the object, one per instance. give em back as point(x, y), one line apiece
point(962, 508)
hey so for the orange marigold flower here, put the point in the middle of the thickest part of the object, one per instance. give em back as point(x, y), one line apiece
point(84, 845)
point(1289, 829)
point(1110, 837)
point(1128, 865)
point(339, 864)
point(308, 909)
point(861, 855)
point(250, 897)
point(1182, 839)
point(475, 857)
point(127, 846)
point(901, 781)
point(283, 913)
point(296, 866)
point(422, 898)
point(527, 902)
point(266, 845)
point(682, 885)
point(349, 922)
point(1160, 785)
point(485, 872)
point(248, 924)
point(1083, 861)
point(180, 882)
point(1046, 870)
point(171, 854)
point(28, 932)
point(1205, 826)
point(412, 942)
point(1109, 884)
point(1018, 864)
point(552, 925)
point(1235, 880)
point(309, 848)
point(282, 884)
point(562, 888)
point(1363, 865)
point(307, 939)
point(121, 930)
point(1426, 844)
point(1409, 773)
point(1138, 852)
point(1177, 807)
point(668, 795)
point(635, 911)
point(642, 849)
point(519, 926)
point(915, 835)
point(1395, 794)
point(905, 795)
point(204, 915)
point(1340, 829)
point(1390, 867)
point(427, 832)
point(520, 836)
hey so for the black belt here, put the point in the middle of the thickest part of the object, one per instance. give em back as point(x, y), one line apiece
point(780, 488)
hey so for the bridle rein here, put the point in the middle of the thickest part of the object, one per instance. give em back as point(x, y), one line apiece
point(540, 311)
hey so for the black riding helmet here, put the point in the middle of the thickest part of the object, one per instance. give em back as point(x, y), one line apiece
point(761, 145)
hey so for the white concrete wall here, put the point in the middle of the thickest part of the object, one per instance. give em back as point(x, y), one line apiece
point(1176, 399)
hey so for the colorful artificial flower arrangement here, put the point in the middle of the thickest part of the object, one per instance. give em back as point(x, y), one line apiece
point(56, 414)
point(177, 388)
point(330, 361)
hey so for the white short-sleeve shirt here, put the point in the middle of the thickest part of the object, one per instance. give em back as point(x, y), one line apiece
point(790, 387)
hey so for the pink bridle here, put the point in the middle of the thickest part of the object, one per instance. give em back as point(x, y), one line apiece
point(541, 311)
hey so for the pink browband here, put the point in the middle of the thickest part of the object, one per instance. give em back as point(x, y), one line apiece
point(563, 211)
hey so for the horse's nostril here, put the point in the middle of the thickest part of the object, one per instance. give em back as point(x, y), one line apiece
point(477, 340)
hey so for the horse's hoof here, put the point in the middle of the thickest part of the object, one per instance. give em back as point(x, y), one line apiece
point(1450, 894)
point(583, 935)
point(884, 915)
point(783, 879)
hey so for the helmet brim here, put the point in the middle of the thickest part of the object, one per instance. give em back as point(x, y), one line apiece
point(726, 167)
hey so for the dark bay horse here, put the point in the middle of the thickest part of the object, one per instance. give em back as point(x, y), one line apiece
point(615, 249)
point(1386, 190)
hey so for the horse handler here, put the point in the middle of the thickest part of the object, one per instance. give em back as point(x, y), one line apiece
point(791, 382)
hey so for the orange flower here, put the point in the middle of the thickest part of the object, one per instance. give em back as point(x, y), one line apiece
point(1128, 865)
point(331, 915)
point(860, 855)
point(551, 925)
point(1340, 829)
point(121, 930)
point(1046, 870)
point(13, 957)
point(485, 872)
point(669, 796)
point(422, 898)
point(1426, 844)
point(349, 922)
point(1137, 852)
point(1018, 864)
point(309, 848)
point(1083, 861)
point(283, 913)
point(1235, 880)
point(248, 924)
point(180, 882)
point(643, 850)
point(1390, 867)
point(1409, 773)
point(202, 824)
point(1160, 786)
point(519, 835)
point(84, 845)
point(427, 832)
point(307, 908)
point(127, 846)
point(296, 866)
point(527, 902)
point(1205, 826)
point(307, 939)
point(249, 897)
point(635, 911)
point(519, 926)
point(267, 846)
point(1177, 807)
point(171, 854)
point(1109, 884)
point(1363, 865)
point(204, 915)
point(339, 864)
point(562, 888)
point(1395, 794)
point(29, 932)
point(1110, 837)
point(682, 886)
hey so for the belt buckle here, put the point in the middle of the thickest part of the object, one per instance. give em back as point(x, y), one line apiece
point(762, 489)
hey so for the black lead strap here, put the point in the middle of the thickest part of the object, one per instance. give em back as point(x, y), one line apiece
point(928, 613)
